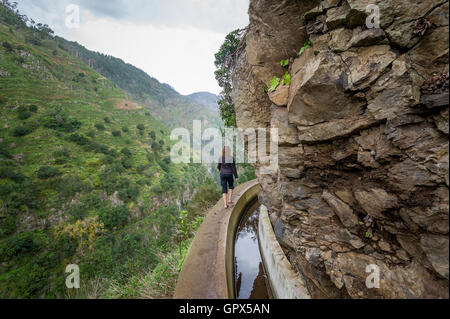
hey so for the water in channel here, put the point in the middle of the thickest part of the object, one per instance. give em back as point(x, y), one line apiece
point(250, 280)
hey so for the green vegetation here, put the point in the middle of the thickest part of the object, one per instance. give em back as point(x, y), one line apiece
point(286, 78)
point(284, 63)
point(306, 45)
point(162, 101)
point(73, 190)
point(274, 83)
point(224, 61)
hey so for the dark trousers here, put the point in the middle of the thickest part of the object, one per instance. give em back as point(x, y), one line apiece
point(227, 182)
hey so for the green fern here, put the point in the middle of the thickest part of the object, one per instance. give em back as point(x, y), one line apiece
point(284, 63)
point(305, 46)
point(286, 79)
point(274, 83)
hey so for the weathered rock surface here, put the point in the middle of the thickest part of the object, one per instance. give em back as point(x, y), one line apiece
point(363, 170)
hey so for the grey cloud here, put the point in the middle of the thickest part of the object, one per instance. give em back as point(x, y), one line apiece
point(215, 15)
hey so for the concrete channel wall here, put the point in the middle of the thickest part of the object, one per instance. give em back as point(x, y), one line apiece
point(208, 269)
point(284, 281)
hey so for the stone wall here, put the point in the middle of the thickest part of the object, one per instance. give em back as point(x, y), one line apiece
point(363, 156)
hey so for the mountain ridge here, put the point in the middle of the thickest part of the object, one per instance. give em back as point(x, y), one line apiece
point(162, 100)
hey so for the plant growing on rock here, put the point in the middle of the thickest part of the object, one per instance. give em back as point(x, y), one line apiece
point(284, 63)
point(274, 83)
point(286, 79)
point(306, 45)
point(224, 61)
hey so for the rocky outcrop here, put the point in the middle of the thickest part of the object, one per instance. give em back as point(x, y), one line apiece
point(363, 147)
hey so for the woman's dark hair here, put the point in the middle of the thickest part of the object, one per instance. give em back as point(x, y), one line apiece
point(226, 151)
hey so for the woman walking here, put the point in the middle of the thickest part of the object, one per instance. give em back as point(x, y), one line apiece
point(227, 168)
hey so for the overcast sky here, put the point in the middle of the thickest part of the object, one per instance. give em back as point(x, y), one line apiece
point(172, 40)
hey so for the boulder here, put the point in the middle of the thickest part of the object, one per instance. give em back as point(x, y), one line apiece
point(436, 249)
point(342, 210)
point(376, 201)
point(288, 134)
point(318, 90)
point(280, 95)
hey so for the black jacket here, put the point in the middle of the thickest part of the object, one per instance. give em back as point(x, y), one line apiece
point(227, 168)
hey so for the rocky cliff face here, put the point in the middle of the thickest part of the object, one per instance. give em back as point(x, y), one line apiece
point(363, 156)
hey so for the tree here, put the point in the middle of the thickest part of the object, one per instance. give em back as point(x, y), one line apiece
point(126, 151)
point(8, 47)
point(46, 172)
point(225, 60)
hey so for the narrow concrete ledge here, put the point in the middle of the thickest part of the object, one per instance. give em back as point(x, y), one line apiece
point(284, 281)
point(208, 269)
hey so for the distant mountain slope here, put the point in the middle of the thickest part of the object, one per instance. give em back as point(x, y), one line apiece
point(164, 103)
point(206, 99)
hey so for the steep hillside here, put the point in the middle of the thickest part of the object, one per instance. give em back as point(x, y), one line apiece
point(163, 102)
point(206, 99)
point(85, 178)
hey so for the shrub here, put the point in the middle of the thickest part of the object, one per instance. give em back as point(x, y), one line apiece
point(129, 193)
point(12, 174)
point(98, 148)
point(78, 212)
point(8, 47)
point(157, 189)
point(114, 218)
point(19, 59)
point(46, 172)
point(91, 134)
point(59, 120)
point(79, 139)
point(116, 133)
point(22, 130)
point(92, 200)
point(62, 153)
point(4, 151)
point(156, 147)
point(108, 159)
point(107, 120)
point(125, 129)
point(205, 197)
point(100, 127)
point(33, 38)
point(33, 108)
point(141, 127)
point(19, 245)
point(126, 151)
point(127, 163)
point(141, 168)
point(24, 115)
point(69, 186)
point(60, 161)
point(66, 246)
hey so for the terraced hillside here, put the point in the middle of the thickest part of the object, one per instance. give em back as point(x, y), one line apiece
point(162, 101)
point(85, 178)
